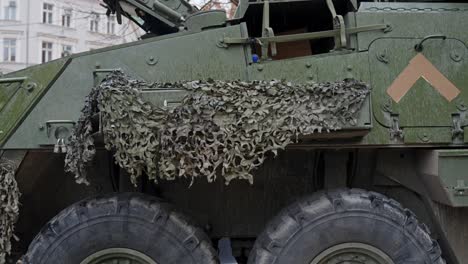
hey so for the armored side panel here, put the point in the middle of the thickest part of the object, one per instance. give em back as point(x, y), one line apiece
point(321, 68)
point(151, 60)
point(429, 103)
point(21, 91)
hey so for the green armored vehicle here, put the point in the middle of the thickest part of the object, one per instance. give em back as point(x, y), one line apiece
point(313, 131)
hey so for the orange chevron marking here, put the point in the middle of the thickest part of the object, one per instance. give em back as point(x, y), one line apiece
point(419, 67)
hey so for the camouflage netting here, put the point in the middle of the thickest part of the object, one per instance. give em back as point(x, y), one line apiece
point(9, 207)
point(220, 129)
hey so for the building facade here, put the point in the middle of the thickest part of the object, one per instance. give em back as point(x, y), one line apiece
point(37, 31)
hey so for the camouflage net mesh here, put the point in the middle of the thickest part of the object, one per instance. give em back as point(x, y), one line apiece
point(9, 206)
point(220, 129)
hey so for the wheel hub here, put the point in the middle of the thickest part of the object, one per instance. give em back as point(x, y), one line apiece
point(352, 253)
point(118, 256)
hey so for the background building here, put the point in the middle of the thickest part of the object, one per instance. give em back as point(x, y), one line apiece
point(37, 31)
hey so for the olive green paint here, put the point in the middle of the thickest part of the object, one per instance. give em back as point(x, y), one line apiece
point(173, 60)
point(412, 20)
point(20, 100)
point(65, 98)
point(422, 106)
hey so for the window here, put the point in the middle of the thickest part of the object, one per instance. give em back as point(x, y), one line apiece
point(9, 49)
point(66, 18)
point(46, 51)
point(47, 13)
point(10, 11)
point(111, 25)
point(66, 50)
point(94, 24)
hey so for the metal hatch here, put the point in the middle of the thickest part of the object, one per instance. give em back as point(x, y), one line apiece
point(426, 103)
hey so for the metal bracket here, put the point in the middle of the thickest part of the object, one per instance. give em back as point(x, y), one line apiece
point(97, 71)
point(59, 131)
point(53, 125)
point(226, 41)
point(395, 131)
point(338, 23)
point(29, 87)
point(461, 189)
point(13, 80)
point(267, 33)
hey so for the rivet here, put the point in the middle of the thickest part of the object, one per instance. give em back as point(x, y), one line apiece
point(308, 65)
point(349, 68)
point(260, 68)
point(97, 65)
point(41, 127)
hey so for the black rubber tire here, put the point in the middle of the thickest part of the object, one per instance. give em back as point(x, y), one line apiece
point(129, 220)
point(308, 227)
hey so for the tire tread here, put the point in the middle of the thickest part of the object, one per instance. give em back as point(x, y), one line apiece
point(149, 208)
point(337, 201)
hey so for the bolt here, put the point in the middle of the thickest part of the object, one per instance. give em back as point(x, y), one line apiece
point(30, 87)
point(208, 228)
point(311, 77)
point(41, 127)
point(455, 56)
point(98, 188)
point(260, 68)
point(425, 137)
point(152, 60)
point(349, 68)
point(308, 65)
point(97, 65)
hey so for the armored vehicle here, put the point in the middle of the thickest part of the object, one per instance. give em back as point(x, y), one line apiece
point(299, 131)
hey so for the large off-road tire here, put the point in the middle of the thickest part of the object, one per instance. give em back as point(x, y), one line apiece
point(120, 228)
point(345, 226)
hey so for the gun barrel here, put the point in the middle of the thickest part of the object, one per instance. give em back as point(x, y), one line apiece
point(170, 13)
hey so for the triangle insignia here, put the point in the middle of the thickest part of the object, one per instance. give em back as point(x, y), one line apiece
point(421, 67)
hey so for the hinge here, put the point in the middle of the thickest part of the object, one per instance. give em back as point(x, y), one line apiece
point(396, 133)
point(457, 130)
